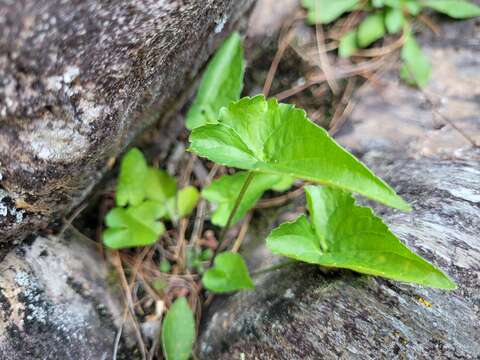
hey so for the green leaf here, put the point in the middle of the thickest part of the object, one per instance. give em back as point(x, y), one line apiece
point(412, 6)
point(221, 84)
point(135, 226)
point(265, 136)
point(344, 235)
point(187, 199)
point(416, 68)
point(229, 273)
point(348, 44)
point(370, 30)
point(159, 185)
point(378, 3)
point(325, 11)
point(394, 20)
point(224, 192)
point(178, 331)
point(133, 171)
point(283, 184)
point(457, 9)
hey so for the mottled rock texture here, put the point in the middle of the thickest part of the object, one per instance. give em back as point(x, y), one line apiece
point(55, 302)
point(79, 79)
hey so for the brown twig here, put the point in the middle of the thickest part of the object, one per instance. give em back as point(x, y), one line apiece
point(279, 200)
point(324, 62)
point(242, 233)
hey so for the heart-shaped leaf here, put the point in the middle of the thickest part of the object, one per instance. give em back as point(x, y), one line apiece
point(265, 136)
point(135, 226)
point(221, 84)
point(457, 9)
point(224, 193)
point(325, 11)
point(229, 273)
point(133, 171)
point(178, 331)
point(344, 235)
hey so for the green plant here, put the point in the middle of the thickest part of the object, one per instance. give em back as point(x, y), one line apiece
point(178, 331)
point(388, 17)
point(229, 273)
point(343, 235)
point(144, 196)
point(275, 144)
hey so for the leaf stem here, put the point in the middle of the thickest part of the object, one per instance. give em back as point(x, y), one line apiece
point(274, 267)
point(238, 201)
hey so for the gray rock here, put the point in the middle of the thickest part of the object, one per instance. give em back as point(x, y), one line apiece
point(80, 80)
point(55, 302)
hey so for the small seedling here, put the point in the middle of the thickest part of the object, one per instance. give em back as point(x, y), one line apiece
point(388, 17)
point(149, 195)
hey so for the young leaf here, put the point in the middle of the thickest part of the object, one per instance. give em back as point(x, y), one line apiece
point(178, 331)
point(224, 192)
point(348, 44)
point(133, 171)
point(187, 199)
point(159, 185)
point(370, 30)
point(416, 68)
point(229, 273)
point(457, 9)
point(325, 11)
point(135, 226)
point(265, 136)
point(394, 20)
point(344, 235)
point(221, 84)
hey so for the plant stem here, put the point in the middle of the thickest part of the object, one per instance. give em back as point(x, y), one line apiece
point(274, 267)
point(238, 201)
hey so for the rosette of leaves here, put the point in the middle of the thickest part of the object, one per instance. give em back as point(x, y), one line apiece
point(388, 17)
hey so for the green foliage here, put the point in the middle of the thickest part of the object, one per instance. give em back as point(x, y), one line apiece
point(325, 11)
point(151, 194)
point(159, 185)
point(135, 226)
point(348, 44)
point(344, 235)
point(457, 9)
point(183, 204)
point(224, 191)
point(286, 142)
point(394, 20)
point(389, 16)
point(416, 68)
point(229, 273)
point(133, 171)
point(178, 331)
point(371, 29)
point(221, 84)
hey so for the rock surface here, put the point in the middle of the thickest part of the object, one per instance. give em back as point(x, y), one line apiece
point(55, 302)
point(80, 80)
